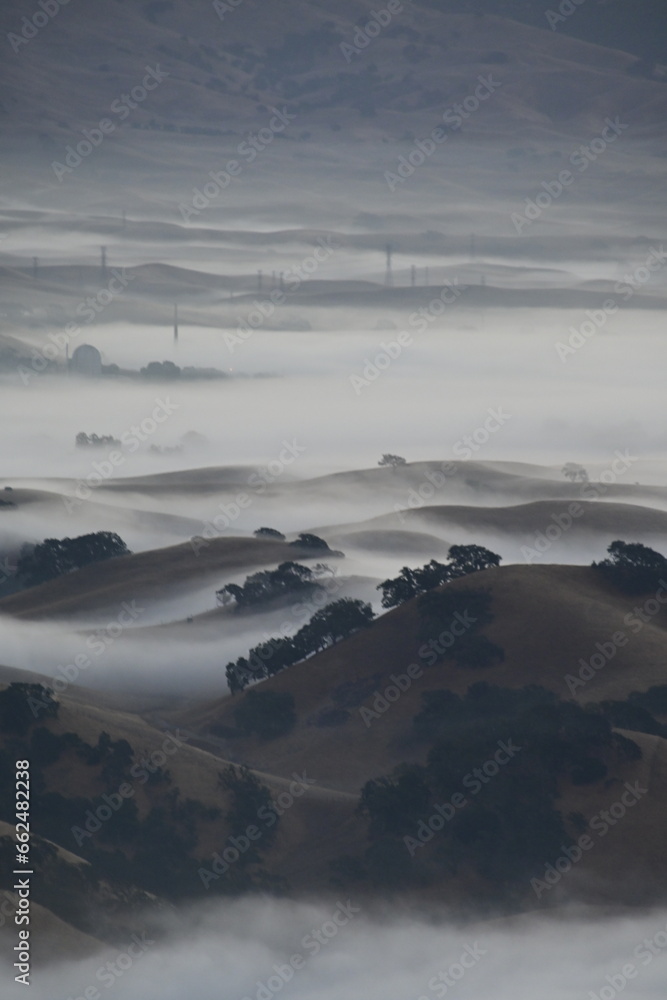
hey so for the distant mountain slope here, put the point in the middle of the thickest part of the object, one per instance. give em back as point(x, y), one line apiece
point(221, 73)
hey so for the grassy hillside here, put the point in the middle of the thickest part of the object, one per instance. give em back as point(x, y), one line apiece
point(546, 619)
point(221, 70)
point(153, 574)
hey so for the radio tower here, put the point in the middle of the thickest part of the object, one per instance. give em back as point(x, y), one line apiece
point(175, 323)
point(389, 277)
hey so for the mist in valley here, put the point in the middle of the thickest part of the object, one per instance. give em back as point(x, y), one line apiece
point(347, 293)
point(322, 950)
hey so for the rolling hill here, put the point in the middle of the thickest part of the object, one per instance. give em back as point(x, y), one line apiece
point(145, 575)
point(578, 614)
point(574, 608)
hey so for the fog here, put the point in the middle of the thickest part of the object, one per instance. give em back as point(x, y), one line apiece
point(337, 299)
point(455, 374)
point(235, 951)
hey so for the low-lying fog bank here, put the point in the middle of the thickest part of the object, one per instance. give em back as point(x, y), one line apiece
point(339, 948)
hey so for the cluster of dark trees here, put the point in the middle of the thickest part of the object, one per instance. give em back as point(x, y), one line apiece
point(156, 852)
point(53, 557)
point(167, 371)
point(161, 370)
point(289, 579)
point(463, 559)
point(21, 704)
point(500, 812)
point(84, 440)
point(250, 801)
point(331, 624)
point(634, 568)
point(306, 540)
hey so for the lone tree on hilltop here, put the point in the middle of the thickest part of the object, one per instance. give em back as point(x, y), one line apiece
point(392, 460)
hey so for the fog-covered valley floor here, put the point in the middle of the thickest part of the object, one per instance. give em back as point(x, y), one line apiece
point(340, 948)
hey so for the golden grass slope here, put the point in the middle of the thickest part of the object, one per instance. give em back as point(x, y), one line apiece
point(155, 574)
point(547, 619)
